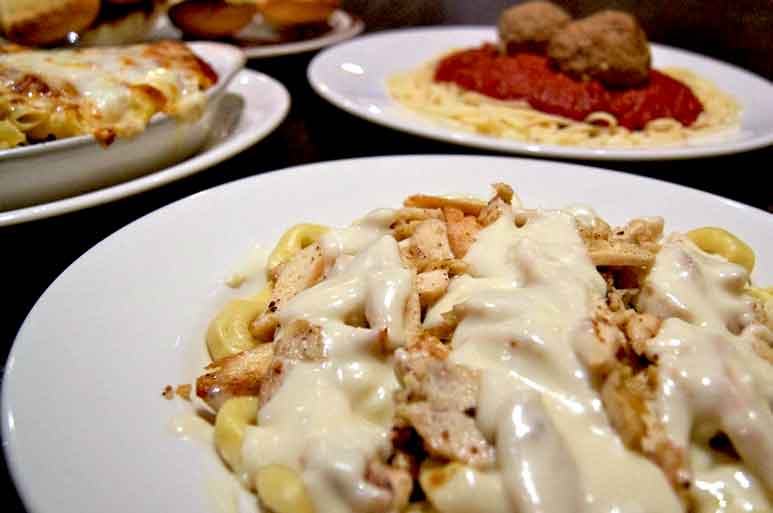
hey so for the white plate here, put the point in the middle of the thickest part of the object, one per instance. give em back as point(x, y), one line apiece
point(85, 429)
point(352, 76)
point(253, 106)
point(49, 171)
point(343, 26)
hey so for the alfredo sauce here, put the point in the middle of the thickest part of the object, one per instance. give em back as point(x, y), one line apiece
point(524, 311)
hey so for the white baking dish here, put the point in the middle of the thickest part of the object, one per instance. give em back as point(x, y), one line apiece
point(52, 170)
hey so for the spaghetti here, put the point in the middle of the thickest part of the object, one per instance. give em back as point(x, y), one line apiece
point(454, 106)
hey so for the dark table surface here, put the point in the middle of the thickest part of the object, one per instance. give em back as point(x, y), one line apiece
point(35, 253)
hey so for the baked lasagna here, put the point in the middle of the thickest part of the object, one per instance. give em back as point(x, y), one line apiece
point(105, 92)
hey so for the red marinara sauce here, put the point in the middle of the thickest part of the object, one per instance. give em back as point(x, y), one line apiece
point(530, 77)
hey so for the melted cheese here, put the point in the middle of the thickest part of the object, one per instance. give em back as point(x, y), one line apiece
point(99, 83)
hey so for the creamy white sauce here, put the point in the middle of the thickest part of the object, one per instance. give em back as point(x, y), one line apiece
point(188, 425)
point(699, 288)
point(375, 284)
point(250, 269)
point(524, 315)
point(227, 495)
point(472, 491)
point(329, 419)
point(583, 214)
point(361, 234)
point(725, 486)
point(711, 378)
point(525, 312)
point(537, 467)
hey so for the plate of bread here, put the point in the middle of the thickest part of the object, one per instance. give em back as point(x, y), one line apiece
point(82, 22)
point(262, 28)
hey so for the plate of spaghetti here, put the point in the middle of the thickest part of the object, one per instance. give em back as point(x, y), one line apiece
point(594, 89)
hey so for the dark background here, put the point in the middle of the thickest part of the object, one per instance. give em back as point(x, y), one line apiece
point(32, 255)
point(739, 31)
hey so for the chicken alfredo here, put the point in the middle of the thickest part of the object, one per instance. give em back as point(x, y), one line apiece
point(457, 356)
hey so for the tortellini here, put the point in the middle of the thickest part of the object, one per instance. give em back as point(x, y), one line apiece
point(229, 333)
point(231, 421)
point(721, 242)
point(281, 489)
point(294, 240)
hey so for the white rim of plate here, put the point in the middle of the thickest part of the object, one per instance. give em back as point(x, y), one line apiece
point(507, 146)
point(222, 151)
point(352, 26)
point(343, 26)
point(270, 180)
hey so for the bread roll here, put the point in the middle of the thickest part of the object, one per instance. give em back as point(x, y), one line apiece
point(282, 13)
point(45, 22)
point(211, 19)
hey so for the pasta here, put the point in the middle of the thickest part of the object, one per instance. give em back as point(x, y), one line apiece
point(763, 294)
point(229, 333)
point(292, 241)
point(231, 421)
point(725, 244)
point(104, 92)
point(427, 374)
point(450, 105)
point(281, 489)
point(10, 135)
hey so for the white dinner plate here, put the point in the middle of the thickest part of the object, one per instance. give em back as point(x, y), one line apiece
point(253, 106)
point(343, 26)
point(85, 429)
point(353, 77)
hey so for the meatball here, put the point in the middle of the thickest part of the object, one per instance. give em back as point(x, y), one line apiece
point(609, 46)
point(528, 27)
